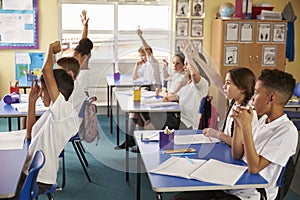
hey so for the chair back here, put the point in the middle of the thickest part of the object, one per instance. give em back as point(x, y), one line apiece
point(285, 179)
point(297, 90)
point(30, 188)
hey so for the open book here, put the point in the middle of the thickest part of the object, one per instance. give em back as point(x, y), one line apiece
point(212, 171)
point(194, 139)
point(12, 139)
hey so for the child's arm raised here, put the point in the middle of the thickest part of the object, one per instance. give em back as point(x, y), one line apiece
point(48, 70)
point(85, 24)
point(31, 118)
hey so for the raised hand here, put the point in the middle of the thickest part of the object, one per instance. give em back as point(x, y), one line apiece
point(34, 92)
point(84, 20)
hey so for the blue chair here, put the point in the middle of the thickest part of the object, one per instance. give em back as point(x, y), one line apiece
point(30, 188)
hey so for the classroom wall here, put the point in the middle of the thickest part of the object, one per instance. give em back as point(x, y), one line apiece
point(48, 32)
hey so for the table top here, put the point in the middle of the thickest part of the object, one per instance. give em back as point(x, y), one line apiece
point(12, 162)
point(293, 104)
point(126, 103)
point(152, 157)
point(9, 111)
point(125, 81)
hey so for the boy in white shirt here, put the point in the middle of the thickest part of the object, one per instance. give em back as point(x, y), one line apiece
point(267, 146)
point(52, 131)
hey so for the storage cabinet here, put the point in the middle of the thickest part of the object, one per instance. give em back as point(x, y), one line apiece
point(256, 44)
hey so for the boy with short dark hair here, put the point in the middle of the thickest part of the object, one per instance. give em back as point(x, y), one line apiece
point(266, 147)
point(51, 132)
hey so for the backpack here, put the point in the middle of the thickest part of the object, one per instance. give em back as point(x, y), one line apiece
point(209, 115)
point(88, 129)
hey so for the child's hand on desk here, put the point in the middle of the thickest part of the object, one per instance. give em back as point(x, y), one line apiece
point(210, 132)
point(157, 91)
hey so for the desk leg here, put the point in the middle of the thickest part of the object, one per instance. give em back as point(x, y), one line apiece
point(19, 123)
point(158, 196)
point(111, 105)
point(126, 147)
point(138, 175)
point(118, 122)
point(9, 124)
point(108, 100)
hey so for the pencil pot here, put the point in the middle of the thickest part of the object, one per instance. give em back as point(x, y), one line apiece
point(12, 98)
point(117, 76)
point(166, 141)
point(136, 93)
point(13, 89)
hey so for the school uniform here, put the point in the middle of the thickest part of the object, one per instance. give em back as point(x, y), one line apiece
point(276, 142)
point(177, 78)
point(51, 133)
point(190, 97)
point(149, 71)
point(78, 95)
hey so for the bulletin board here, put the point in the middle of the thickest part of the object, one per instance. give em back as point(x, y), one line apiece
point(19, 24)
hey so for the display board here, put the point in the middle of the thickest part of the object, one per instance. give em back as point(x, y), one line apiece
point(18, 24)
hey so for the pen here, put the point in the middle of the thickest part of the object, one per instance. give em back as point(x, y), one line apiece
point(188, 159)
point(183, 154)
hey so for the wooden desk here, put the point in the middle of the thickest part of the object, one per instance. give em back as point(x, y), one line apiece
point(151, 156)
point(11, 169)
point(125, 82)
point(126, 104)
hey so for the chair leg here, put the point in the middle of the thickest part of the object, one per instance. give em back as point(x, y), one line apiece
point(81, 162)
point(82, 147)
point(81, 151)
point(50, 196)
point(63, 172)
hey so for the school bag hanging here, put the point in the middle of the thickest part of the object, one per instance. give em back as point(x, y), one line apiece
point(88, 129)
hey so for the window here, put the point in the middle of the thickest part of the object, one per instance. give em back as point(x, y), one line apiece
point(112, 28)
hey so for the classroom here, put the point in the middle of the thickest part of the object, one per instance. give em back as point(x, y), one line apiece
point(226, 42)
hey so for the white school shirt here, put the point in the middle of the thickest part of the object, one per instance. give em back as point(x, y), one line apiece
point(149, 71)
point(83, 79)
point(77, 97)
point(51, 133)
point(277, 142)
point(177, 78)
point(190, 97)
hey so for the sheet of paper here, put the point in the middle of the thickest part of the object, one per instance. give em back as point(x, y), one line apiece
point(178, 166)
point(150, 136)
point(23, 107)
point(162, 104)
point(148, 94)
point(12, 140)
point(215, 171)
point(194, 139)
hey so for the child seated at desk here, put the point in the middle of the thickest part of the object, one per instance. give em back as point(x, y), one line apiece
point(190, 95)
point(178, 79)
point(267, 146)
point(52, 131)
point(239, 89)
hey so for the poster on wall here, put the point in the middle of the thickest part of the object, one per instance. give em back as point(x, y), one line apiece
point(269, 56)
point(28, 66)
point(197, 8)
point(18, 24)
point(264, 32)
point(231, 55)
point(246, 32)
point(182, 7)
point(182, 27)
point(279, 31)
point(197, 28)
point(232, 31)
